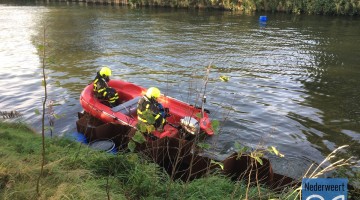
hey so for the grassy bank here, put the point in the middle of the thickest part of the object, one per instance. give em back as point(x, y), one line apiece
point(73, 171)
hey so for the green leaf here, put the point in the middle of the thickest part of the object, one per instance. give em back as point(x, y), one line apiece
point(259, 154)
point(131, 146)
point(37, 112)
point(49, 128)
point(224, 78)
point(150, 128)
point(149, 117)
point(275, 150)
point(142, 127)
point(258, 159)
point(133, 158)
point(237, 146)
point(215, 124)
point(43, 83)
point(204, 145)
point(240, 149)
point(138, 137)
point(218, 163)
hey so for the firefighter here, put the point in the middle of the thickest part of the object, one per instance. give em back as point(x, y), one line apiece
point(101, 89)
point(148, 103)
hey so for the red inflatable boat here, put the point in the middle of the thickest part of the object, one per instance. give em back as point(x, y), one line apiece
point(182, 115)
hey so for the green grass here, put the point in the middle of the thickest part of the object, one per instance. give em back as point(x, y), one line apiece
point(74, 171)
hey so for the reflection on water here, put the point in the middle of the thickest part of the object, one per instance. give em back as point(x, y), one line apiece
point(19, 60)
point(293, 83)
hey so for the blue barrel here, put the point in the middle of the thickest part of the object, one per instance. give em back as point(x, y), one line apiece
point(263, 18)
point(78, 137)
point(104, 145)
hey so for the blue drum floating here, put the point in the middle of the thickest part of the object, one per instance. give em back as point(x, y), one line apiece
point(263, 18)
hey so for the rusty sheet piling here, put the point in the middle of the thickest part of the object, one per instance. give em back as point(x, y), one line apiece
point(181, 158)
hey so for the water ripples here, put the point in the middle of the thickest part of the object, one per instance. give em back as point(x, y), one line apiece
point(281, 73)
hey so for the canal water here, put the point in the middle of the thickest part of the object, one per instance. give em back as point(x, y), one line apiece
point(294, 81)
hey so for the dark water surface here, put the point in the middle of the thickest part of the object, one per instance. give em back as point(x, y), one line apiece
point(294, 81)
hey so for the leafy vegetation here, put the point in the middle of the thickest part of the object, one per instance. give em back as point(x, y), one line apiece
point(325, 7)
point(74, 171)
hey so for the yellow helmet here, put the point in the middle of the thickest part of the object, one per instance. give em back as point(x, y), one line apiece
point(153, 92)
point(105, 71)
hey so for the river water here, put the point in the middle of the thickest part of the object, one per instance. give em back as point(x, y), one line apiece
point(294, 80)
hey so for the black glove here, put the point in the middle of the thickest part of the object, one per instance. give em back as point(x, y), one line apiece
point(167, 112)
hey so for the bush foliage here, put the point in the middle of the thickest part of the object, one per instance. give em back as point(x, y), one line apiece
point(320, 7)
point(74, 171)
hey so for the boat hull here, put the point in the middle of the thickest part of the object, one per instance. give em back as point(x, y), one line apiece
point(125, 113)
